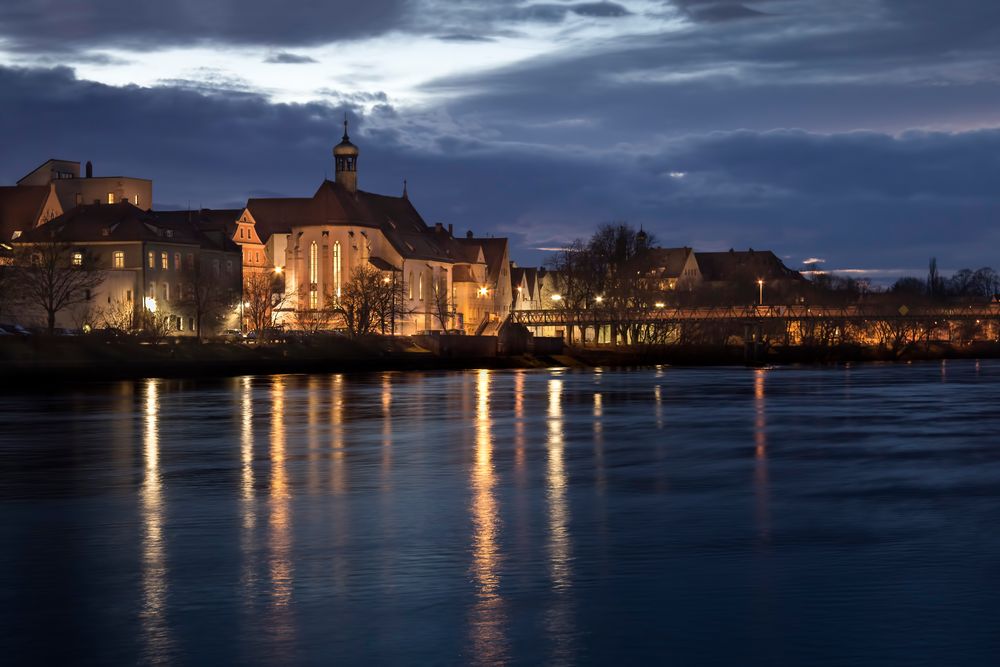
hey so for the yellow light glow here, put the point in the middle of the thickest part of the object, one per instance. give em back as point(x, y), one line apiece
point(150, 304)
point(279, 269)
point(660, 304)
point(557, 297)
point(483, 291)
point(599, 299)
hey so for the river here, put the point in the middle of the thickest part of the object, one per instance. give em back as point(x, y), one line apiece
point(702, 516)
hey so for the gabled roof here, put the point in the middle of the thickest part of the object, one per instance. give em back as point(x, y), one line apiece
point(124, 223)
point(332, 204)
point(21, 207)
point(219, 225)
point(494, 253)
point(742, 265)
point(663, 262)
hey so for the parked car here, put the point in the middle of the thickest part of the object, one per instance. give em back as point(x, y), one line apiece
point(455, 332)
point(15, 329)
point(231, 336)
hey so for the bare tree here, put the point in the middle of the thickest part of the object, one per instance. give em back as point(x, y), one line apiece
point(263, 296)
point(442, 304)
point(364, 300)
point(207, 300)
point(52, 276)
point(119, 314)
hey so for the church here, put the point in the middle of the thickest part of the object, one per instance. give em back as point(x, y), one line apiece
point(316, 243)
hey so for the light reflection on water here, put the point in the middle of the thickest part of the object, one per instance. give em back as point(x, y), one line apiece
point(497, 517)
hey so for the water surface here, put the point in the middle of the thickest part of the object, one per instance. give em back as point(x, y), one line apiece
point(793, 516)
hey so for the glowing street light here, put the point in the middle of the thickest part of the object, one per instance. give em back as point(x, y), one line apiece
point(279, 269)
point(150, 304)
point(599, 299)
point(557, 297)
point(660, 304)
point(483, 291)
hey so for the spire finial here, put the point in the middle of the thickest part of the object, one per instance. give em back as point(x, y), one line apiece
point(405, 195)
point(345, 126)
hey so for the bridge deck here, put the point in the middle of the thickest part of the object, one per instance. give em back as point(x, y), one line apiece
point(754, 314)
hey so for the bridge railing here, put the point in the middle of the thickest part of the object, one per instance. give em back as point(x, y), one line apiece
point(590, 317)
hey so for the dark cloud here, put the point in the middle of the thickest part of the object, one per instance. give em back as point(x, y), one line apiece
point(714, 10)
point(285, 58)
point(464, 37)
point(857, 199)
point(64, 25)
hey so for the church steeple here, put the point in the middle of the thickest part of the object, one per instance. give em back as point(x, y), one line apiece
point(345, 158)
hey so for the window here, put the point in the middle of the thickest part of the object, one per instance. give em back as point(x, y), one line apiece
point(336, 268)
point(313, 299)
point(420, 286)
point(111, 197)
point(177, 261)
point(190, 324)
point(128, 295)
point(313, 264)
point(215, 268)
point(165, 290)
point(229, 267)
point(180, 323)
point(152, 260)
point(152, 290)
point(179, 290)
point(190, 261)
point(119, 259)
point(409, 287)
point(136, 200)
point(77, 259)
point(241, 232)
point(79, 198)
point(164, 260)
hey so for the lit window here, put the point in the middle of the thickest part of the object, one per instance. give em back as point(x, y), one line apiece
point(77, 259)
point(152, 260)
point(164, 260)
point(111, 197)
point(420, 286)
point(313, 263)
point(313, 299)
point(177, 261)
point(336, 267)
point(409, 287)
point(135, 200)
point(119, 259)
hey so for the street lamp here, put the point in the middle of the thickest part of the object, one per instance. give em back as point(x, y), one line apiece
point(557, 297)
point(279, 269)
point(760, 286)
point(660, 304)
point(599, 299)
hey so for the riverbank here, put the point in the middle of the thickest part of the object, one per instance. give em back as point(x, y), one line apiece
point(44, 360)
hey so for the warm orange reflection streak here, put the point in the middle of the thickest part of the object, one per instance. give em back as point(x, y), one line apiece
point(658, 395)
point(281, 569)
point(558, 619)
point(386, 432)
point(761, 482)
point(248, 506)
point(314, 393)
point(154, 566)
point(246, 454)
point(489, 641)
point(519, 423)
point(599, 471)
point(338, 473)
point(556, 479)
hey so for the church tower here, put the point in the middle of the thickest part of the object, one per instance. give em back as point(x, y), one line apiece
point(345, 157)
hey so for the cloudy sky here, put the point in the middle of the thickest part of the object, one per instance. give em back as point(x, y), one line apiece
point(865, 133)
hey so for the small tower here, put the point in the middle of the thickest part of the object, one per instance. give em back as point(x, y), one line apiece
point(345, 158)
point(641, 241)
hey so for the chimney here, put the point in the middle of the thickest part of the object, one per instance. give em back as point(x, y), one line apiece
point(468, 234)
point(451, 231)
point(438, 228)
point(90, 169)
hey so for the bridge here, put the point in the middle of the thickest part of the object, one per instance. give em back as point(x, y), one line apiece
point(859, 313)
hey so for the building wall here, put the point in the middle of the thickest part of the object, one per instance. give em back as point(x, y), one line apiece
point(104, 190)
